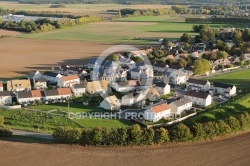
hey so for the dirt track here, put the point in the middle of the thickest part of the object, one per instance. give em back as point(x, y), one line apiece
point(231, 151)
point(18, 56)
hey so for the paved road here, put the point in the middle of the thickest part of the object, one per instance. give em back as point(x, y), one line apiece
point(32, 134)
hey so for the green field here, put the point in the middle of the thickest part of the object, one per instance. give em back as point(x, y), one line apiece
point(241, 79)
point(235, 106)
point(164, 18)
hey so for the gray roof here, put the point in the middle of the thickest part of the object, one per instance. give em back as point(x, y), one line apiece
point(222, 85)
point(79, 86)
point(182, 102)
point(5, 93)
point(41, 80)
point(52, 92)
point(32, 73)
point(197, 81)
point(161, 84)
point(179, 73)
point(22, 95)
point(50, 74)
point(197, 94)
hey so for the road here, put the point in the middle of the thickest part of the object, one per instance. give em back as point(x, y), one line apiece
point(32, 134)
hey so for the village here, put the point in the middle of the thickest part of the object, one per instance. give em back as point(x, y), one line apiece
point(127, 87)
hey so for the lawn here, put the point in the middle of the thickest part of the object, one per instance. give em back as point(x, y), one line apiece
point(233, 107)
point(241, 79)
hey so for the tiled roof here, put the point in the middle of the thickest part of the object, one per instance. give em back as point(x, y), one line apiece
point(160, 108)
point(70, 77)
point(36, 93)
point(79, 86)
point(197, 81)
point(64, 91)
point(197, 94)
point(222, 85)
point(5, 93)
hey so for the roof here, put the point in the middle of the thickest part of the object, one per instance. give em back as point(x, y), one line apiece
point(97, 85)
point(64, 91)
point(222, 85)
point(17, 84)
point(163, 65)
point(22, 95)
point(159, 108)
point(70, 77)
point(112, 100)
point(161, 84)
point(197, 81)
point(92, 61)
point(5, 93)
point(175, 67)
point(182, 101)
point(36, 93)
point(179, 73)
point(197, 94)
point(79, 86)
point(52, 92)
point(32, 73)
point(170, 57)
point(50, 74)
point(41, 80)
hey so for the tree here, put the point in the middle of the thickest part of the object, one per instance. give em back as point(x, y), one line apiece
point(185, 38)
point(113, 57)
point(96, 136)
point(224, 128)
point(161, 136)
point(233, 123)
point(147, 136)
point(198, 131)
point(121, 136)
point(201, 66)
point(211, 129)
point(237, 38)
point(181, 133)
point(222, 54)
point(246, 35)
point(119, 15)
point(134, 136)
point(137, 59)
point(182, 62)
point(244, 122)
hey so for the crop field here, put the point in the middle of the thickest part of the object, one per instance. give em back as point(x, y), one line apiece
point(241, 79)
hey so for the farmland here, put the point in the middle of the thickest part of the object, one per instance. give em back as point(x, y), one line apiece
point(241, 79)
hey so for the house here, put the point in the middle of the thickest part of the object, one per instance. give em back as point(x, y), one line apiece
point(51, 77)
point(29, 96)
point(78, 89)
point(224, 89)
point(178, 106)
point(188, 70)
point(55, 95)
point(246, 56)
point(40, 83)
point(157, 112)
point(159, 67)
point(133, 98)
point(170, 57)
point(97, 87)
point(162, 88)
point(68, 81)
point(67, 70)
point(110, 103)
point(172, 68)
point(64, 93)
point(152, 94)
point(199, 98)
point(137, 53)
point(125, 86)
point(126, 62)
point(1, 86)
point(5, 97)
point(221, 62)
point(142, 72)
point(18, 85)
point(175, 77)
point(198, 85)
point(196, 54)
point(33, 75)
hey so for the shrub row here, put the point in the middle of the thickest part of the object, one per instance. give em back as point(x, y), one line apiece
point(135, 135)
point(5, 131)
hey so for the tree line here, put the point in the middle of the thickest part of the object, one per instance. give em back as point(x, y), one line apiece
point(5, 131)
point(45, 24)
point(136, 135)
point(146, 12)
point(218, 20)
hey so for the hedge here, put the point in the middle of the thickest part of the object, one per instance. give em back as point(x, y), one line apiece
point(135, 135)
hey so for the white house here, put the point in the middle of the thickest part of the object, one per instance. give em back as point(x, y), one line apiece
point(199, 98)
point(78, 89)
point(1, 86)
point(18, 85)
point(142, 72)
point(110, 103)
point(51, 77)
point(57, 94)
point(172, 68)
point(68, 81)
point(162, 88)
point(133, 98)
point(157, 112)
point(5, 97)
point(175, 77)
point(125, 86)
point(29, 96)
point(33, 75)
point(178, 106)
point(159, 67)
point(40, 83)
point(198, 85)
point(224, 89)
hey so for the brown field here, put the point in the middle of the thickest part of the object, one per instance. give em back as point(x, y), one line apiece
point(230, 151)
point(21, 55)
point(9, 33)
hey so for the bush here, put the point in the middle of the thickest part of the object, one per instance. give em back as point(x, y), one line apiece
point(181, 133)
point(67, 135)
point(233, 123)
point(5, 132)
point(1, 120)
point(198, 131)
point(211, 129)
point(161, 136)
point(244, 121)
point(134, 135)
point(224, 128)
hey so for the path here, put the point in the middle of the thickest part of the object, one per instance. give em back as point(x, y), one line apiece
point(32, 134)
